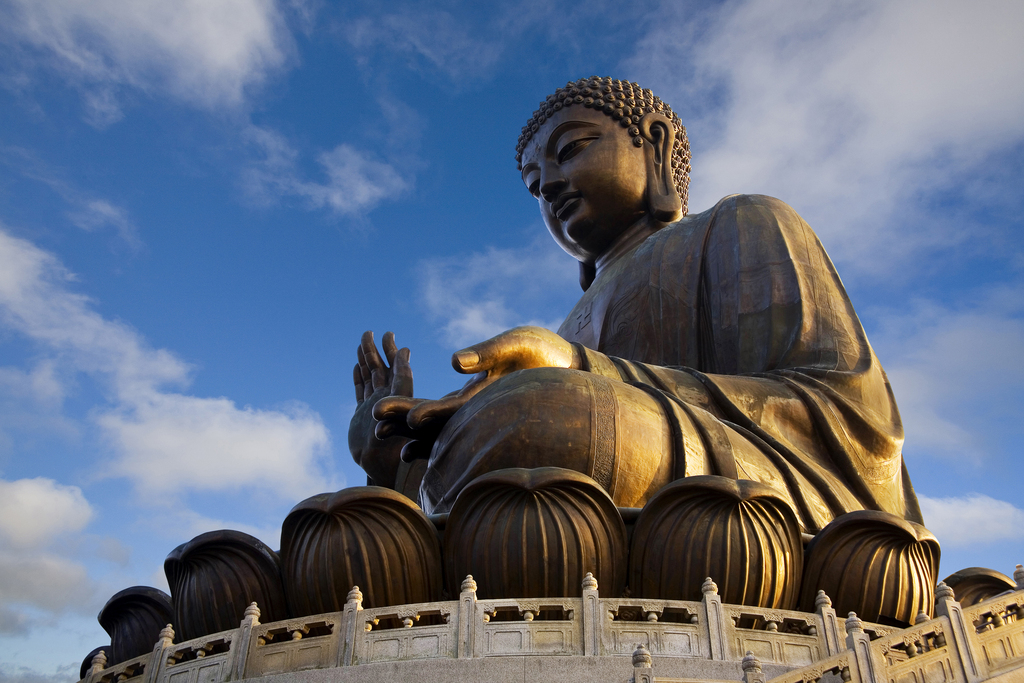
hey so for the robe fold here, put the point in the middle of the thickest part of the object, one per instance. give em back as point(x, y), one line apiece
point(737, 323)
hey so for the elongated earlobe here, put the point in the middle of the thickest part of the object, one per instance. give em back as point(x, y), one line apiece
point(662, 199)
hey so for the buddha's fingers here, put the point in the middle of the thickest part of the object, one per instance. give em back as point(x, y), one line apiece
point(516, 349)
point(390, 348)
point(370, 353)
point(357, 380)
point(395, 407)
point(434, 414)
point(401, 382)
point(416, 450)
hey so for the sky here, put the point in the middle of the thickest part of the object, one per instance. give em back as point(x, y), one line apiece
point(204, 203)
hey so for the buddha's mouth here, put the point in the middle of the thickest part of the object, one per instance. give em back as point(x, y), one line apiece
point(566, 205)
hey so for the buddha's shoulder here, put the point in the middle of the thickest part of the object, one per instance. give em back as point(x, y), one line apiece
point(742, 215)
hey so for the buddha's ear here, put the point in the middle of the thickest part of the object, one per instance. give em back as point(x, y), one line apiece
point(659, 139)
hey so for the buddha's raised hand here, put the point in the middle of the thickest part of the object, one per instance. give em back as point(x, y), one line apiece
point(374, 379)
point(521, 348)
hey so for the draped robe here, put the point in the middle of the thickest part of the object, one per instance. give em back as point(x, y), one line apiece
point(736, 325)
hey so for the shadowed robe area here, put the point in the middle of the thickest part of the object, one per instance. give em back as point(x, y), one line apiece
point(723, 344)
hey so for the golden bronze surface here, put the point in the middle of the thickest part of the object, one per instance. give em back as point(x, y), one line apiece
point(364, 536)
point(874, 564)
point(534, 533)
point(721, 343)
point(740, 533)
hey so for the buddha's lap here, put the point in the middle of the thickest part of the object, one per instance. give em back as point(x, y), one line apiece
point(552, 417)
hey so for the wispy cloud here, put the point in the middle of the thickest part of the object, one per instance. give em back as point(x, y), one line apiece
point(859, 114)
point(85, 211)
point(432, 36)
point(475, 296)
point(354, 181)
point(972, 520)
point(148, 425)
point(206, 54)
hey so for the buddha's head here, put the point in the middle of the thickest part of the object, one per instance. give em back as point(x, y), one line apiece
point(601, 156)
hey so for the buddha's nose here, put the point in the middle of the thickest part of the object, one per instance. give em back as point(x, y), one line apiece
point(552, 183)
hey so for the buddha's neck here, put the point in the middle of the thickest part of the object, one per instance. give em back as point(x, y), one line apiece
point(629, 240)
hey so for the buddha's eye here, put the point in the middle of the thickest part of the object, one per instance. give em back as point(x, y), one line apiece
point(573, 148)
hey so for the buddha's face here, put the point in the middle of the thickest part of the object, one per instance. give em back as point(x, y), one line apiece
point(589, 179)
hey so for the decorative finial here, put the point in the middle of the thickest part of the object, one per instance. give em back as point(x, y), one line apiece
point(921, 618)
point(1018, 576)
point(167, 633)
point(354, 594)
point(853, 623)
point(99, 661)
point(589, 582)
point(709, 586)
point(641, 656)
point(751, 663)
point(944, 592)
point(252, 611)
point(822, 600)
point(468, 584)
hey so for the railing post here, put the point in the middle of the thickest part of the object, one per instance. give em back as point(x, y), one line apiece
point(349, 626)
point(642, 670)
point(592, 621)
point(870, 666)
point(823, 606)
point(158, 659)
point(714, 620)
point(467, 618)
point(1018, 576)
point(241, 642)
point(963, 633)
point(752, 669)
point(98, 664)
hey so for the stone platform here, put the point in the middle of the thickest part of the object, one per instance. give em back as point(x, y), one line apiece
point(597, 640)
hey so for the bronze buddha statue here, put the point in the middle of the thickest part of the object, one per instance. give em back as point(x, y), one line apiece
point(721, 343)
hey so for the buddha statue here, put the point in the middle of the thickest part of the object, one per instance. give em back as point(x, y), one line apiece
point(711, 347)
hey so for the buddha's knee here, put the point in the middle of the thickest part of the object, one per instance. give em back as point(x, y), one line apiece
point(604, 428)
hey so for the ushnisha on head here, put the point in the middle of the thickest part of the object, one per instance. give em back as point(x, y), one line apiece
point(624, 101)
point(609, 164)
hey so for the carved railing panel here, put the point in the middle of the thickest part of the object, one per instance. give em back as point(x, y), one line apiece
point(664, 627)
point(294, 645)
point(422, 631)
point(201, 660)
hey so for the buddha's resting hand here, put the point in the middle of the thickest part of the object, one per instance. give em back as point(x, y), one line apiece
point(372, 445)
point(520, 348)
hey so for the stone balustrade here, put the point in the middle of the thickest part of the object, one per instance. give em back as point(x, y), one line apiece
point(703, 640)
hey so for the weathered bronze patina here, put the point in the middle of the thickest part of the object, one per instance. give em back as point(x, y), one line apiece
point(716, 344)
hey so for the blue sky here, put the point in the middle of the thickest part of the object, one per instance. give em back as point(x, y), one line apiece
point(204, 203)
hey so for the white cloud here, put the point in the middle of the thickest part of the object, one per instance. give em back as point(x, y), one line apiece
point(355, 181)
point(34, 511)
point(205, 53)
point(850, 111)
point(164, 441)
point(37, 516)
point(475, 296)
point(956, 372)
point(974, 519)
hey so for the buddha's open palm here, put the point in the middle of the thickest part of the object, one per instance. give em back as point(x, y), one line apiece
point(520, 348)
point(374, 379)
